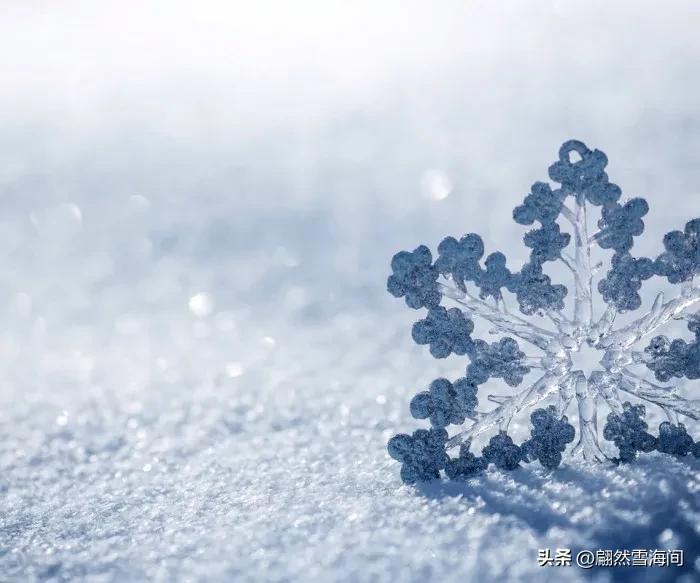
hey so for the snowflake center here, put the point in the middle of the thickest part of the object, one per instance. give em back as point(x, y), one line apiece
point(586, 359)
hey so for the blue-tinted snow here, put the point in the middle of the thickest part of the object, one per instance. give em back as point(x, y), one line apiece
point(200, 366)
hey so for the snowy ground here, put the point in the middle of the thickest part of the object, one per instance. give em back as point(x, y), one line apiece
point(199, 364)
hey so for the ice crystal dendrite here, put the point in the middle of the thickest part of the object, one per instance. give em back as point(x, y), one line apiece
point(462, 284)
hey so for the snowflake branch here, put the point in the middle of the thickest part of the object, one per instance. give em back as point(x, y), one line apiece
point(588, 420)
point(594, 237)
point(605, 384)
point(504, 322)
point(562, 323)
point(567, 391)
point(660, 314)
point(640, 357)
point(583, 300)
point(509, 407)
point(664, 397)
point(568, 214)
point(568, 260)
point(532, 361)
point(605, 324)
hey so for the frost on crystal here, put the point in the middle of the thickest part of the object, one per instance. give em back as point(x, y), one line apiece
point(549, 438)
point(463, 284)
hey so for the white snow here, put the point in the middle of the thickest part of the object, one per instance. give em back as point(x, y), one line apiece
point(199, 364)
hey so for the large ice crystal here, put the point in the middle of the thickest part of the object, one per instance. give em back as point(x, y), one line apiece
point(457, 278)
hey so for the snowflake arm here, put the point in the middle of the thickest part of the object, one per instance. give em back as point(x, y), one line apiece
point(504, 322)
point(415, 278)
point(665, 397)
point(606, 384)
point(502, 359)
point(550, 434)
point(535, 291)
point(620, 224)
point(668, 359)
point(680, 263)
point(422, 454)
point(466, 466)
point(585, 178)
point(622, 283)
point(546, 242)
point(445, 331)
point(542, 204)
point(566, 394)
point(674, 439)
point(681, 260)
point(502, 452)
point(502, 414)
point(628, 430)
point(660, 314)
point(583, 299)
point(445, 403)
point(459, 260)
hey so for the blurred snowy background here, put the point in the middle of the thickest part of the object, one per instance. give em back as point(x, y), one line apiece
point(199, 364)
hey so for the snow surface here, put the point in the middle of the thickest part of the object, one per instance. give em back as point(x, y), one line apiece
point(199, 364)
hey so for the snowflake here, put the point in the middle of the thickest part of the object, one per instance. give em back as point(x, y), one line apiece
point(476, 288)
